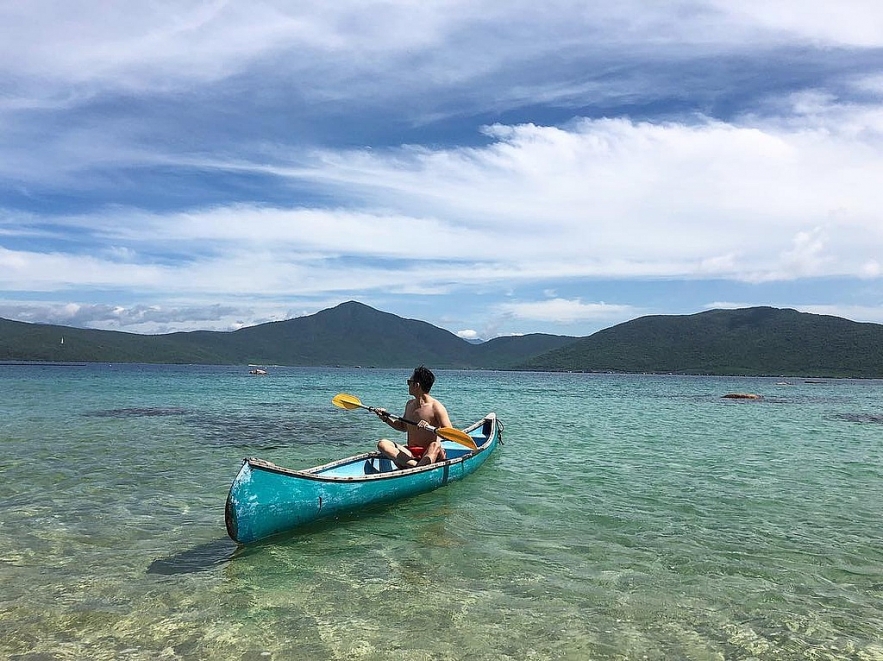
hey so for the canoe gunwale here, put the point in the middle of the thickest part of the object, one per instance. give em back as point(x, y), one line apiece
point(314, 472)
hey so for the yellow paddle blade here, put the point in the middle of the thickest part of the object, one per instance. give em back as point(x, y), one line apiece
point(345, 401)
point(456, 436)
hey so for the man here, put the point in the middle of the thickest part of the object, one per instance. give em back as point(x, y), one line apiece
point(422, 446)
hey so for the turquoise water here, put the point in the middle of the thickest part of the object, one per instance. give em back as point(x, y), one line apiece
point(625, 517)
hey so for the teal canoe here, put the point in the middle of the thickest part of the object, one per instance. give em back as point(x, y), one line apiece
point(266, 499)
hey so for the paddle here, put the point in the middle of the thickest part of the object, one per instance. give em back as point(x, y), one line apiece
point(350, 402)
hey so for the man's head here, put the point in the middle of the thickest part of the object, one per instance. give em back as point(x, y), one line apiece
point(423, 377)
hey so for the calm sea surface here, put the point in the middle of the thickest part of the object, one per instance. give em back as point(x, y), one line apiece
point(625, 517)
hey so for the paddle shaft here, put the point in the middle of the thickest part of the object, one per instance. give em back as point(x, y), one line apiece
point(387, 414)
point(405, 420)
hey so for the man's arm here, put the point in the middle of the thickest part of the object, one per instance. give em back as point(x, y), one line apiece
point(396, 424)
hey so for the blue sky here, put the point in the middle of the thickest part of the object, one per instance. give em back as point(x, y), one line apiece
point(492, 168)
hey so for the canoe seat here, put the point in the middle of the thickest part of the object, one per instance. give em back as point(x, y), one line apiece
point(378, 465)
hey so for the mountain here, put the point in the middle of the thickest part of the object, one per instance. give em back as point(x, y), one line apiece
point(355, 334)
point(21, 341)
point(510, 352)
point(750, 341)
point(349, 334)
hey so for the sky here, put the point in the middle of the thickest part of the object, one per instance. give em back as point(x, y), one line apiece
point(492, 168)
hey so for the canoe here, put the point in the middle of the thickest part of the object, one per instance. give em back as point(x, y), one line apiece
point(266, 499)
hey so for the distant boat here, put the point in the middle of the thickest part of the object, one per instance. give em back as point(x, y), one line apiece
point(257, 371)
point(266, 499)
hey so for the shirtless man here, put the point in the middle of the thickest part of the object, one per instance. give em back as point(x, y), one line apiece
point(423, 446)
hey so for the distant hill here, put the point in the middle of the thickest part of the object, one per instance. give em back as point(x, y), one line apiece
point(350, 334)
point(21, 341)
point(510, 352)
point(751, 341)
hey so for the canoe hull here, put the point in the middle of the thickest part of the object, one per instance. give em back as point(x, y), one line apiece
point(265, 499)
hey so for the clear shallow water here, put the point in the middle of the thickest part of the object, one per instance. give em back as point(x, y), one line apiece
point(625, 517)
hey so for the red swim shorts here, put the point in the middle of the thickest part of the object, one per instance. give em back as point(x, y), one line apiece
point(416, 450)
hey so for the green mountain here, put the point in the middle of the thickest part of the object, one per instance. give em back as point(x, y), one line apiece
point(21, 341)
point(349, 334)
point(751, 342)
point(509, 352)
point(353, 334)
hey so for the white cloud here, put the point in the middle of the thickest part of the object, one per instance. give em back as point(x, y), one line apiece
point(613, 197)
point(141, 46)
point(850, 22)
point(806, 256)
point(170, 316)
point(80, 47)
point(568, 311)
point(605, 198)
point(871, 269)
point(872, 84)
